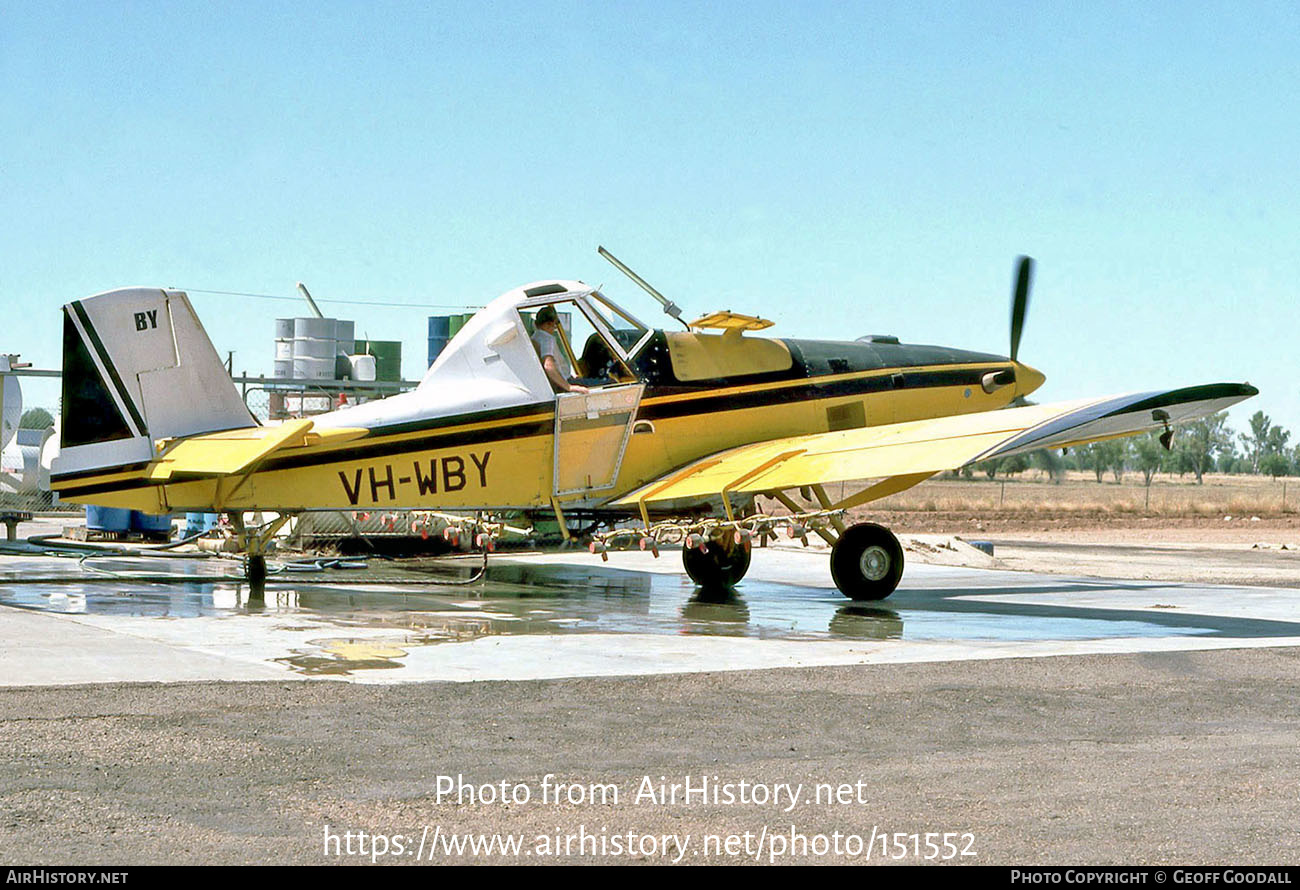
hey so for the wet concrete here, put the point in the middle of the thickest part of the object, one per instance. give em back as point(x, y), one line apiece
point(571, 615)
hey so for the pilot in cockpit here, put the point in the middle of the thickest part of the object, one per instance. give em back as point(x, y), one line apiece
point(554, 360)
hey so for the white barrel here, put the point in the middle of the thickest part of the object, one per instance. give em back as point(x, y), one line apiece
point(284, 329)
point(283, 368)
point(307, 347)
point(283, 349)
point(344, 330)
point(307, 368)
point(11, 406)
point(363, 367)
point(315, 328)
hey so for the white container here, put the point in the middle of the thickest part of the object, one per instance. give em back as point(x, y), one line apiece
point(315, 328)
point(306, 347)
point(307, 368)
point(344, 330)
point(363, 367)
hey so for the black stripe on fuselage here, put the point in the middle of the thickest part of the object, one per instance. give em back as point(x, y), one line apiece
point(107, 362)
point(363, 451)
point(98, 471)
point(812, 389)
point(378, 443)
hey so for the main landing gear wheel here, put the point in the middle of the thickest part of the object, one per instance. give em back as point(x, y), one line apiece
point(257, 571)
point(717, 566)
point(867, 562)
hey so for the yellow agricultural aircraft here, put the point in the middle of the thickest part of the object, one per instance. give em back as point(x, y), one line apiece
point(674, 440)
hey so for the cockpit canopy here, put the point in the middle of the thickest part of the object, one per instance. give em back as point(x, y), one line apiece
point(600, 337)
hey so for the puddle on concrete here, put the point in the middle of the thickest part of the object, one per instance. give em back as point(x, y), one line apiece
point(343, 657)
point(551, 599)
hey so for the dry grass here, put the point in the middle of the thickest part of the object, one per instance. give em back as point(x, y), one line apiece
point(1032, 493)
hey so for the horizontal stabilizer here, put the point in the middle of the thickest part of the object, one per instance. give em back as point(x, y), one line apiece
point(239, 451)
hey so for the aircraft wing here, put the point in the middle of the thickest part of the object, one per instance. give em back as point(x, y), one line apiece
point(904, 454)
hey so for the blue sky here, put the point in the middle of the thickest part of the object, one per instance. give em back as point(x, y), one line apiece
point(841, 168)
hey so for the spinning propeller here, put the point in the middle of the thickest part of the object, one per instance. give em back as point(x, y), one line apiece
point(1024, 377)
point(1020, 302)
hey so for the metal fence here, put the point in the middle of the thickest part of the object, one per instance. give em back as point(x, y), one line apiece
point(269, 399)
point(273, 398)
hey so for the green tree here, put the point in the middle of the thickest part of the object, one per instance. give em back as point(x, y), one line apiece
point(36, 419)
point(1257, 439)
point(1276, 460)
point(1228, 460)
point(1196, 444)
point(1092, 457)
point(1275, 464)
point(1050, 461)
point(1015, 464)
point(1148, 456)
point(1102, 456)
point(1276, 441)
point(1120, 454)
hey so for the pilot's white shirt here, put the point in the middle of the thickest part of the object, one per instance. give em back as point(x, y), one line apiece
point(547, 344)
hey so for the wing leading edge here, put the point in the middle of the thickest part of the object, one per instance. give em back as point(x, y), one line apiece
point(911, 452)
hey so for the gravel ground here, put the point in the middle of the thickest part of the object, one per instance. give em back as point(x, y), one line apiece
point(1179, 758)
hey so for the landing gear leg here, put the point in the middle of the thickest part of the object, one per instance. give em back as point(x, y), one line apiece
point(256, 571)
point(254, 543)
point(867, 562)
point(719, 565)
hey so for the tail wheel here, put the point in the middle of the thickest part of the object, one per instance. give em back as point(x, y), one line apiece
point(716, 566)
point(867, 562)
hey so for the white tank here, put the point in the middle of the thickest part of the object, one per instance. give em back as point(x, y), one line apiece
point(363, 367)
point(307, 347)
point(11, 404)
point(308, 368)
point(315, 328)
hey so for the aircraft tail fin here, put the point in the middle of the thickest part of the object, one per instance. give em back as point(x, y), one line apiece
point(138, 367)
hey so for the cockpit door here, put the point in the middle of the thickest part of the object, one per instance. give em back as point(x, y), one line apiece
point(591, 433)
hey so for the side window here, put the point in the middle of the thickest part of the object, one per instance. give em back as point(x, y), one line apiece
point(577, 351)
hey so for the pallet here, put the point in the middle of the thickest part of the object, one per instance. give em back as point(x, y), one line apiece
point(92, 535)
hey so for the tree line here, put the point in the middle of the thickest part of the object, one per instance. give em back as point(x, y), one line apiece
point(1203, 446)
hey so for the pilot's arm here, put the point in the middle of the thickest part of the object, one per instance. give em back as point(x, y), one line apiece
point(558, 383)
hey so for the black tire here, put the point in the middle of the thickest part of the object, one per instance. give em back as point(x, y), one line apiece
point(256, 571)
point(718, 566)
point(867, 562)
